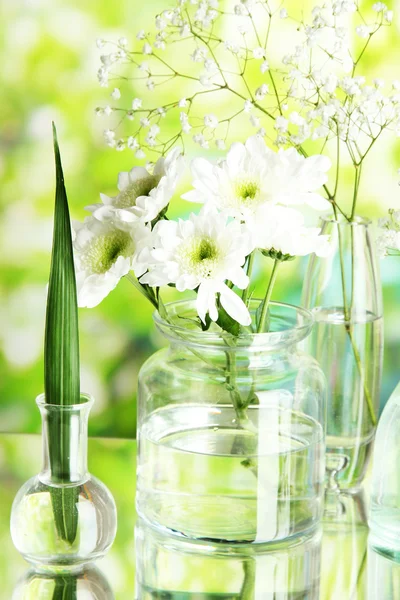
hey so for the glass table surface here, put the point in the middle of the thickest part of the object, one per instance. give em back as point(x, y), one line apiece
point(337, 563)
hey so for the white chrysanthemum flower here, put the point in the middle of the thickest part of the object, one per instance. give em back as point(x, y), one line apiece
point(253, 175)
point(105, 252)
point(203, 252)
point(281, 230)
point(142, 195)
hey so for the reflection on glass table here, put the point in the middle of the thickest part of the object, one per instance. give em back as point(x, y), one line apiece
point(335, 564)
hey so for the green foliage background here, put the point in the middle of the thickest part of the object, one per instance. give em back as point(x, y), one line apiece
point(48, 71)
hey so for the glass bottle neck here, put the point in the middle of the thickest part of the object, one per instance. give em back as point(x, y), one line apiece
point(64, 441)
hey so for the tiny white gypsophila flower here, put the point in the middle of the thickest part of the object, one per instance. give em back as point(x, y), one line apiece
point(203, 252)
point(142, 195)
point(259, 52)
point(281, 124)
point(388, 16)
point(388, 243)
point(147, 49)
point(283, 13)
point(105, 252)
point(116, 94)
point(264, 66)
point(184, 119)
point(379, 7)
point(253, 175)
point(363, 31)
point(281, 229)
point(211, 121)
point(136, 103)
point(261, 91)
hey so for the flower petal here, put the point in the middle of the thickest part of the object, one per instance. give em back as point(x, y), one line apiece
point(234, 305)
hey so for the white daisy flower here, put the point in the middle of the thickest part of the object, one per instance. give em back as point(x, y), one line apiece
point(253, 175)
point(105, 252)
point(202, 253)
point(142, 195)
point(281, 230)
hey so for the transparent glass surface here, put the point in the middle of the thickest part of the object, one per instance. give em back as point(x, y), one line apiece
point(343, 291)
point(383, 574)
point(165, 567)
point(88, 584)
point(343, 555)
point(384, 518)
point(231, 434)
point(61, 520)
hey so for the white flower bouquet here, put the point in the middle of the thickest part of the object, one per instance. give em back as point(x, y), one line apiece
point(251, 202)
point(218, 66)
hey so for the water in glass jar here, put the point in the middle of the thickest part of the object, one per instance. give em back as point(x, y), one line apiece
point(349, 354)
point(204, 475)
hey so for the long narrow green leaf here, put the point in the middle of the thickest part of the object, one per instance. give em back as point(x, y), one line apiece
point(61, 355)
point(61, 358)
point(66, 588)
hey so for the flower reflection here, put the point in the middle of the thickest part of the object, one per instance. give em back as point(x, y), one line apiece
point(176, 568)
point(87, 584)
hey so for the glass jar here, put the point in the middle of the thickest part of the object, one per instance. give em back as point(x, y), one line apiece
point(231, 430)
point(344, 293)
point(176, 568)
point(344, 549)
point(63, 517)
point(383, 574)
point(384, 518)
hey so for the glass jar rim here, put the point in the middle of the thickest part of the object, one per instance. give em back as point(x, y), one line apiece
point(87, 401)
point(296, 329)
point(357, 220)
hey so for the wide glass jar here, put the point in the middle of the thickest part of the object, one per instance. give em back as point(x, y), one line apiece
point(63, 517)
point(231, 430)
point(176, 568)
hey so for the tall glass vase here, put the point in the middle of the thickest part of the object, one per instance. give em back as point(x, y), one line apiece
point(63, 520)
point(231, 430)
point(343, 291)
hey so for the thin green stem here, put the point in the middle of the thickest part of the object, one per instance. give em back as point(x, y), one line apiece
point(250, 264)
point(248, 588)
point(355, 191)
point(264, 310)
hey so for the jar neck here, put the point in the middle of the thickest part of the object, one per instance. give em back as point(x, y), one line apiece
point(287, 326)
point(64, 443)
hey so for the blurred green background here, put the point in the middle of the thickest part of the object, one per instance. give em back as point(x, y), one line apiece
point(48, 71)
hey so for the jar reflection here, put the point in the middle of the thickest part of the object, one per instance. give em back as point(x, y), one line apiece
point(87, 584)
point(176, 569)
point(383, 574)
point(344, 548)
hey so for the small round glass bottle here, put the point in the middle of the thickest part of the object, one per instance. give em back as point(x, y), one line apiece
point(63, 518)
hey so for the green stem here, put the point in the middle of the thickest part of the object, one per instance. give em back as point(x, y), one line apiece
point(250, 264)
point(348, 326)
point(248, 588)
point(362, 374)
point(355, 192)
point(264, 310)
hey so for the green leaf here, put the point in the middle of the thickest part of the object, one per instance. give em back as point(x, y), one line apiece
point(66, 588)
point(61, 352)
point(227, 323)
point(61, 357)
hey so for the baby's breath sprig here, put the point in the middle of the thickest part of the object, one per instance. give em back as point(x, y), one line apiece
point(313, 95)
